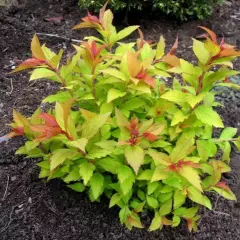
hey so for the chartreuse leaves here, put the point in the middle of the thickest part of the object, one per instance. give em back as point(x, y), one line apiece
point(117, 129)
point(86, 170)
point(125, 32)
point(79, 187)
point(201, 52)
point(208, 116)
point(134, 156)
point(91, 127)
point(97, 185)
point(61, 155)
point(114, 94)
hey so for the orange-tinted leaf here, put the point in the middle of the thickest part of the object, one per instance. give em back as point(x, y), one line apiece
point(166, 221)
point(49, 119)
point(149, 81)
point(228, 52)
point(85, 25)
point(134, 65)
point(19, 119)
point(45, 131)
point(190, 224)
point(150, 137)
point(101, 12)
point(174, 47)
point(211, 34)
point(66, 111)
point(171, 60)
point(223, 185)
point(140, 41)
point(29, 63)
point(87, 115)
point(135, 222)
point(227, 46)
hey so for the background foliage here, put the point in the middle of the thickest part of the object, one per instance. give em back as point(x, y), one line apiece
point(181, 9)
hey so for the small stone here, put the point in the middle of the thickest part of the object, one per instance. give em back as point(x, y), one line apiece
point(20, 206)
point(17, 211)
point(13, 178)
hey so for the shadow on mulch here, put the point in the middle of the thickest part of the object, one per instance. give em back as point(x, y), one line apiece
point(32, 209)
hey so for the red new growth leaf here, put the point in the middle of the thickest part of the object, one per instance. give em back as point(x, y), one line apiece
point(187, 163)
point(223, 185)
point(141, 41)
point(226, 80)
point(47, 130)
point(29, 63)
point(211, 34)
point(175, 167)
point(190, 224)
point(133, 127)
point(150, 137)
point(143, 76)
point(33, 62)
point(174, 47)
point(91, 21)
point(49, 119)
point(226, 50)
point(18, 131)
point(93, 49)
point(91, 18)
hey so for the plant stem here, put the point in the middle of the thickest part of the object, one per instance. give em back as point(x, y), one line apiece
point(56, 70)
point(93, 84)
point(227, 140)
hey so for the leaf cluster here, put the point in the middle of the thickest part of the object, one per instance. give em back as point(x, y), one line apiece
point(118, 129)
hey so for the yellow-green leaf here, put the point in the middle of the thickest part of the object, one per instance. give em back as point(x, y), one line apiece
point(174, 96)
point(166, 208)
point(86, 170)
point(80, 143)
point(79, 187)
point(196, 196)
point(159, 174)
point(178, 118)
point(208, 116)
point(43, 73)
point(115, 73)
point(36, 48)
point(91, 127)
point(134, 156)
point(191, 175)
point(156, 222)
point(96, 185)
point(60, 155)
point(114, 94)
point(200, 51)
point(160, 48)
point(125, 32)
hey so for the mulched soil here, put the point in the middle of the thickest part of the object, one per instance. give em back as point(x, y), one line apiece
point(32, 209)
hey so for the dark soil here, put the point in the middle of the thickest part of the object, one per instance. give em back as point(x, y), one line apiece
point(30, 208)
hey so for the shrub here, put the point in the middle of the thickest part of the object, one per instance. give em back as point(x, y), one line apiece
point(117, 129)
point(182, 9)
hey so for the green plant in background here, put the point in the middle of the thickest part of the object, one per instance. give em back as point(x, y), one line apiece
point(117, 129)
point(181, 9)
point(184, 9)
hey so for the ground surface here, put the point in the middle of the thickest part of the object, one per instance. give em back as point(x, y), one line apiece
point(32, 209)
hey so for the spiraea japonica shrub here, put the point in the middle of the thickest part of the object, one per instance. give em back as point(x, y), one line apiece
point(118, 130)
